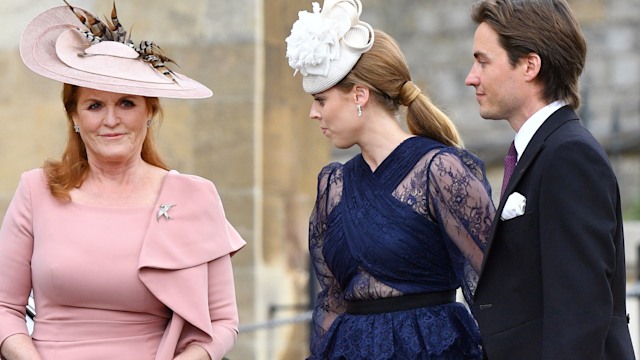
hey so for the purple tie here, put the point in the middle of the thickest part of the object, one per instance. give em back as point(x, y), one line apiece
point(509, 165)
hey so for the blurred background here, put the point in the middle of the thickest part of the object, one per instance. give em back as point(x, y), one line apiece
point(254, 139)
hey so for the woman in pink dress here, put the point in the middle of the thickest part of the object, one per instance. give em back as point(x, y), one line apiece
point(126, 258)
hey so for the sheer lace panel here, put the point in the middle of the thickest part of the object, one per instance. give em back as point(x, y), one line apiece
point(449, 186)
point(365, 287)
point(330, 302)
point(460, 200)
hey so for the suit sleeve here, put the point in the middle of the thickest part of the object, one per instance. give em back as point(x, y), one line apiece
point(578, 221)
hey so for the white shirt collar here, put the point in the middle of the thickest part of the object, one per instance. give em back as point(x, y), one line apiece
point(531, 126)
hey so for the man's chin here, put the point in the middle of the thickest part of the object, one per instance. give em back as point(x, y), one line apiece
point(489, 115)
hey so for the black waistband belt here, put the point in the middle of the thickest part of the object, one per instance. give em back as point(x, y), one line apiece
point(400, 303)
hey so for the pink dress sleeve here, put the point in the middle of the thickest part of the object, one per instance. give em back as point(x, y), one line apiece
point(222, 309)
point(16, 247)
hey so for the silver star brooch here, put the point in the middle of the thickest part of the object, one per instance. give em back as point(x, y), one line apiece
point(164, 211)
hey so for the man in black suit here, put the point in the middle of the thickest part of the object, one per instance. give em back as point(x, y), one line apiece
point(552, 284)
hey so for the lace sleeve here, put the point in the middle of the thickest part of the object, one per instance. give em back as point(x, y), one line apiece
point(330, 300)
point(460, 201)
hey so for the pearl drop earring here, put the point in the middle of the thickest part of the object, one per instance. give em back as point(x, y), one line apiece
point(359, 110)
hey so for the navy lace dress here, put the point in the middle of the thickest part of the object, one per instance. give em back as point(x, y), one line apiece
point(417, 224)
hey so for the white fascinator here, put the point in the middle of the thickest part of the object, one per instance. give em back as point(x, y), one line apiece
point(325, 45)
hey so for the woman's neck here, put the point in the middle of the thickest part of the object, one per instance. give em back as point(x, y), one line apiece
point(380, 139)
point(120, 186)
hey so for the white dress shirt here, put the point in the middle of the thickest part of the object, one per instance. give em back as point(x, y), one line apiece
point(531, 126)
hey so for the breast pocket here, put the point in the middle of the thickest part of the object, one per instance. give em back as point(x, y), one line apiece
point(522, 223)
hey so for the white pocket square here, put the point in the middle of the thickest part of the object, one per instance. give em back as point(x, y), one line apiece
point(514, 206)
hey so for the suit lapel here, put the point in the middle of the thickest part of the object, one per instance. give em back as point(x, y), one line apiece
point(553, 123)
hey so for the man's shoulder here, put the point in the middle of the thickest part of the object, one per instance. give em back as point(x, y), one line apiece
point(572, 133)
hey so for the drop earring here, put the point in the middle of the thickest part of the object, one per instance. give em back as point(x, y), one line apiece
point(359, 110)
point(76, 128)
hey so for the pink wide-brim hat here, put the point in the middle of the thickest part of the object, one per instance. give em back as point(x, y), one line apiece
point(52, 46)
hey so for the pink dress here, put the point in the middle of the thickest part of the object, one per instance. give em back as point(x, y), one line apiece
point(119, 283)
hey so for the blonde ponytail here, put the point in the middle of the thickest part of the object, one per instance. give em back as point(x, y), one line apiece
point(426, 119)
point(384, 71)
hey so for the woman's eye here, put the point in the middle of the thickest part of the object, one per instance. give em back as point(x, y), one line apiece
point(95, 106)
point(127, 103)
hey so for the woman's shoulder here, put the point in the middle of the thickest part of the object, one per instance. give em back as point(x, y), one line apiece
point(452, 154)
point(330, 174)
point(34, 178)
point(33, 174)
point(32, 186)
point(329, 169)
point(187, 177)
point(455, 160)
point(188, 182)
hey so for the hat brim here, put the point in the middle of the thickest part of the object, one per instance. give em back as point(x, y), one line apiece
point(51, 46)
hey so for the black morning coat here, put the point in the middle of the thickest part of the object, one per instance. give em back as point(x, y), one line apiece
point(552, 284)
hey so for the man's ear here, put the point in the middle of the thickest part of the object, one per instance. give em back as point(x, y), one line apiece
point(532, 65)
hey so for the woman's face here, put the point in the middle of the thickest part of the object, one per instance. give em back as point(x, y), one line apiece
point(337, 113)
point(112, 126)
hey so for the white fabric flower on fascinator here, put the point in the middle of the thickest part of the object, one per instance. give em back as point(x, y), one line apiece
point(324, 45)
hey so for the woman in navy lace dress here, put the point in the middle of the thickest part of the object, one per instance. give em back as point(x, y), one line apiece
point(400, 227)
